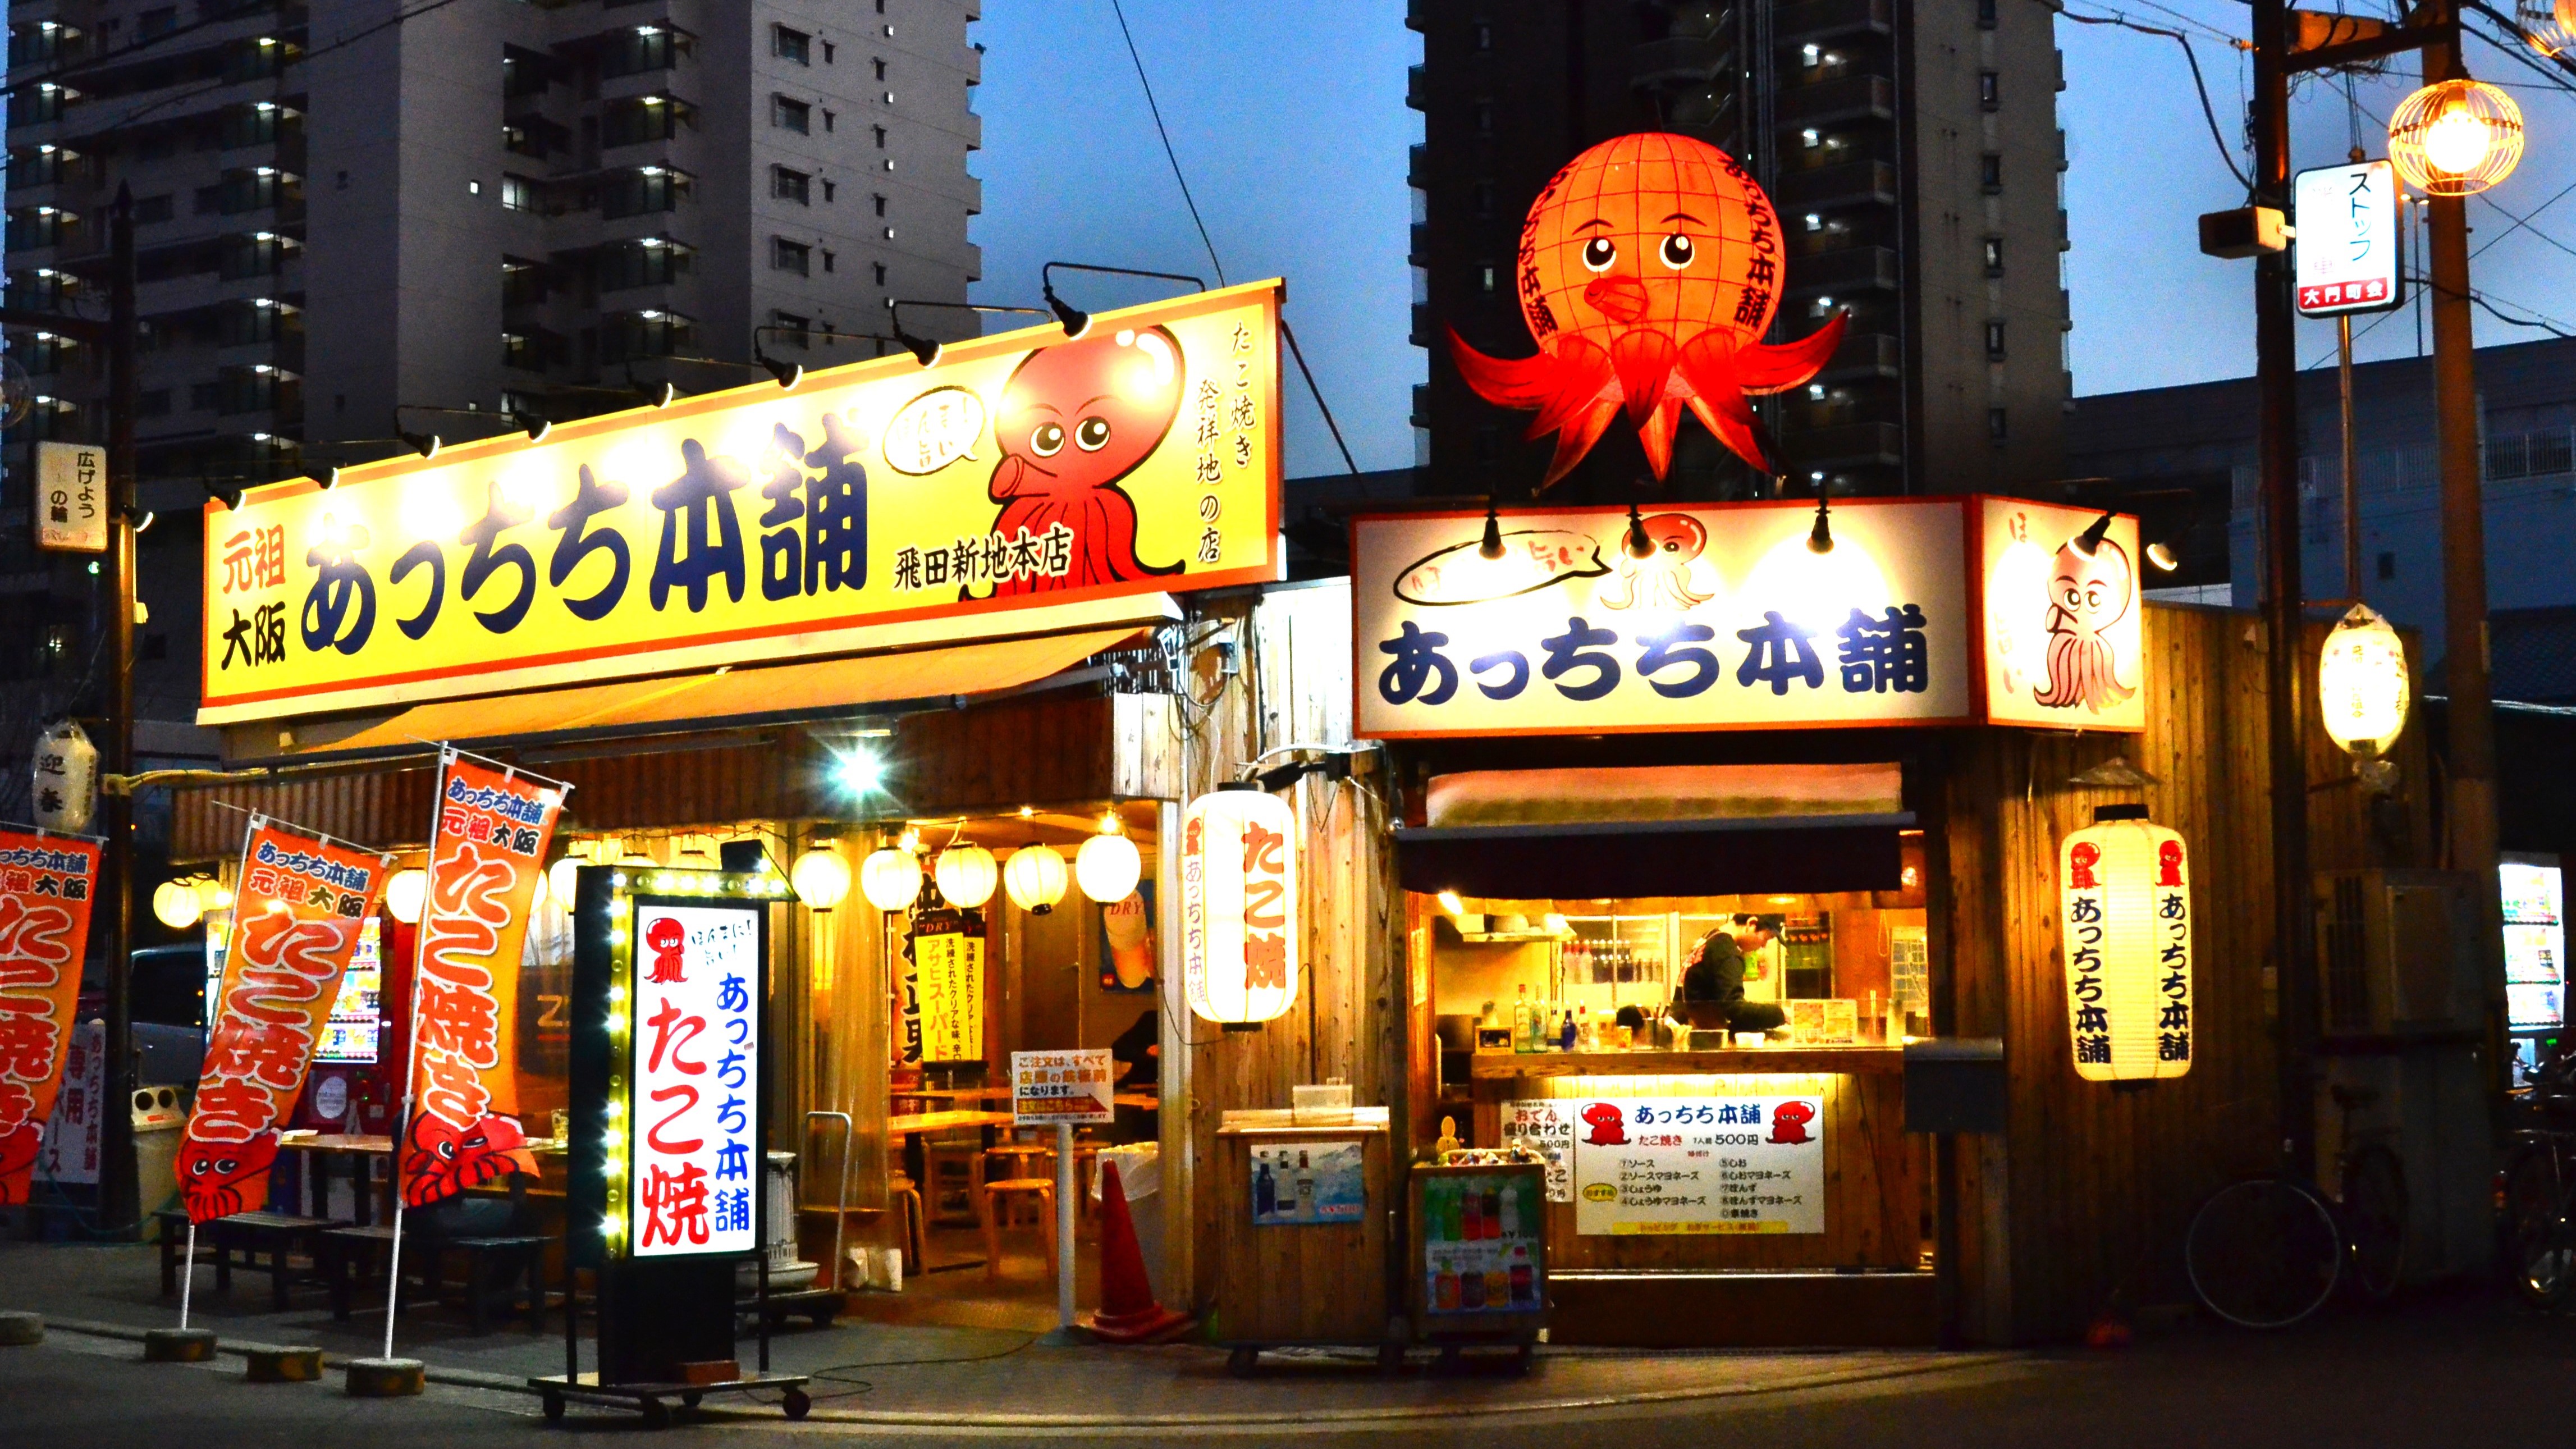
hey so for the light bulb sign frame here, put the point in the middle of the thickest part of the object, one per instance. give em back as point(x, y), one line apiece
point(2350, 252)
point(670, 1062)
point(1925, 611)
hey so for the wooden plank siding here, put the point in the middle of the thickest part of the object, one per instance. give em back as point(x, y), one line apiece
point(2089, 1195)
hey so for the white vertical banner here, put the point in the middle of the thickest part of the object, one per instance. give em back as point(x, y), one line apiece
point(71, 497)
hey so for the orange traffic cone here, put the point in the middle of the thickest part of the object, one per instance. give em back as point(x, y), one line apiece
point(1128, 1312)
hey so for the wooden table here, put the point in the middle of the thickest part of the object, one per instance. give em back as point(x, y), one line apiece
point(915, 1124)
point(360, 1151)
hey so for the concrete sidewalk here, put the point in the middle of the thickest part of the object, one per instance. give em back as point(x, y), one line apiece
point(924, 1377)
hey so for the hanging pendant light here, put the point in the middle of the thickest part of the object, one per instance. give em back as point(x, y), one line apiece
point(2455, 137)
point(1107, 866)
point(820, 877)
point(2362, 685)
point(1036, 877)
point(174, 904)
point(890, 878)
point(563, 879)
point(406, 893)
point(966, 875)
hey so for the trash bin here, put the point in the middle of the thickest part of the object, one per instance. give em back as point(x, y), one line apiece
point(158, 1120)
point(1140, 1176)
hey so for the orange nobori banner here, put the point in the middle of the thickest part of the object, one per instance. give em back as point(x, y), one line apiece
point(45, 887)
point(303, 901)
point(487, 851)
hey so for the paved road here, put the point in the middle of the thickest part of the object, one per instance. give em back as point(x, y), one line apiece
point(2466, 1369)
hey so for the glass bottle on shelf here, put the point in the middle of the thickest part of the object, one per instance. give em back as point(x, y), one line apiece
point(1524, 1023)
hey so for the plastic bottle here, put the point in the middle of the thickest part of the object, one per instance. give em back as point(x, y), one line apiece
point(1524, 1023)
point(1524, 1280)
point(1471, 1215)
point(1471, 1290)
point(1498, 1287)
point(1508, 1220)
point(1492, 1212)
point(1444, 1289)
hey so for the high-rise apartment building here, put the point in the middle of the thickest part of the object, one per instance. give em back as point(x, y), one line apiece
point(357, 206)
point(1912, 150)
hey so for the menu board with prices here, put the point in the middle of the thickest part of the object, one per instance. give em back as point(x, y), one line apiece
point(1545, 1125)
point(1481, 1233)
point(1656, 1165)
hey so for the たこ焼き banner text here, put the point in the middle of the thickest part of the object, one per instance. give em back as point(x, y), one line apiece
point(874, 505)
point(1730, 616)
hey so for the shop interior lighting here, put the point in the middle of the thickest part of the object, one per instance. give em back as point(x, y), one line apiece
point(1108, 866)
point(860, 772)
point(406, 893)
point(1450, 902)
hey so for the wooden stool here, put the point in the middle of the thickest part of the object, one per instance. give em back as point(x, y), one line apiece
point(905, 1198)
point(1018, 1159)
point(1002, 1198)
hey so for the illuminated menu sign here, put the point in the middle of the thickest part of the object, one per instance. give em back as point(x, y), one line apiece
point(2535, 943)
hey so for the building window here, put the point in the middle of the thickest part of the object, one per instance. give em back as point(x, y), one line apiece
point(1489, 280)
point(1989, 90)
point(791, 45)
point(789, 115)
point(880, 67)
point(2388, 566)
point(651, 262)
point(827, 52)
point(881, 274)
point(881, 205)
point(204, 396)
point(523, 283)
point(789, 185)
point(827, 193)
point(827, 117)
point(636, 49)
point(1985, 14)
point(788, 256)
point(1997, 425)
point(828, 259)
point(1484, 35)
point(881, 134)
point(1990, 172)
point(151, 209)
point(649, 333)
point(153, 404)
point(156, 22)
point(640, 119)
point(518, 193)
point(1994, 256)
point(644, 189)
point(1995, 340)
point(789, 328)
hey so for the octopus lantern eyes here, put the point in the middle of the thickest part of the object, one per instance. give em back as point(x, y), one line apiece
point(1091, 434)
point(1599, 253)
point(1678, 251)
point(1048, 440)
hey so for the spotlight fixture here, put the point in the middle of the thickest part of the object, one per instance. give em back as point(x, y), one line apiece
point(788, 373)
point(425, 444)
point(1639, 546)
point(2091, 538)
point(924, 350)
point(1820, 539)
point(2162, 557)
point(537, 427)
point(1492, 547)
point(1076, 321)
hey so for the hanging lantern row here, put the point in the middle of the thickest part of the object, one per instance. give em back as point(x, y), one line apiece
point(2124, 908)
point(180, 904)
point(2455, 138)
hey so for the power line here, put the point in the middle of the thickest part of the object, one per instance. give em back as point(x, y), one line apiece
point(2198, 83)
point(1169, 154)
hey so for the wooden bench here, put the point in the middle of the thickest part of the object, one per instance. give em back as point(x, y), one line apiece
point(516, 1264)
point(246, 1235)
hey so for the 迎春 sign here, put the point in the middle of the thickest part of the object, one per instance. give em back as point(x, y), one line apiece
point(875, 505)
point(693, 1069)
point(2347, 250)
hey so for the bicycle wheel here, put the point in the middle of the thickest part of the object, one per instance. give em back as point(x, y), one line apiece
point(2374, 1222)
point(2543, 1261)
point(2263, 1253)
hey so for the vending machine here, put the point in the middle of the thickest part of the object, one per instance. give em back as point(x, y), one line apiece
point(2535, 958)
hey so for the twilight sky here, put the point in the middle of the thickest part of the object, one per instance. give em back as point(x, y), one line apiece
point(1290, 122)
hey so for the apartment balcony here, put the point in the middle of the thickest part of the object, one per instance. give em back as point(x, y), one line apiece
point(1414, 173)
point(1863, 355)
point(1414, 91)
point(1846, 270)
point(1843, 98)
point(1850, 184)
point(1810, 21)
point(1682, 58)
point(1417, 16)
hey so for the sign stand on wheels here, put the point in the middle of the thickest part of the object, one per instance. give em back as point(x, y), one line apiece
point(669, 1121)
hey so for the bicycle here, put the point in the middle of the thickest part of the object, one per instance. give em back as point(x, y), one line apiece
point(2539, 1181)
point(2269, 1251)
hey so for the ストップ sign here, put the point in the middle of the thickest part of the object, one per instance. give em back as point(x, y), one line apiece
point(46, 882)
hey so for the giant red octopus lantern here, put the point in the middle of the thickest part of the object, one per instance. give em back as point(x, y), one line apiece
point(1650, 268)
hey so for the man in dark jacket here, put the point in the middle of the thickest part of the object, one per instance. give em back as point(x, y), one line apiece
point(1715, 975)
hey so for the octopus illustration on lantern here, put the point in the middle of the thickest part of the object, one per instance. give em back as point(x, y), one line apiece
point(1662, 579)
point(1650, 268)
point(1075, 419)
point(2088, 592)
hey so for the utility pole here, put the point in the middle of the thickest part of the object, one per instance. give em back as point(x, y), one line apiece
point(2276, 371)
point(119, 1195)
point(2469, 797)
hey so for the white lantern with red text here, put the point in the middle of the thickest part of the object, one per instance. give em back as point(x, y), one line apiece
point(2362, 686)
point(2124, 898)
point(1239, 905)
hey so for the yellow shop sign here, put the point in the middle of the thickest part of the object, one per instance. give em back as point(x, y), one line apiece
point(877, 504)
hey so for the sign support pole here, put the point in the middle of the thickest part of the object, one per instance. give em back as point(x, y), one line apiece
point(1064, 1214)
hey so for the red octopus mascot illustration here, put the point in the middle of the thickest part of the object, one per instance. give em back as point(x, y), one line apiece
point(1604, 1126)
point(2087, 595)
point(1650, 268)
point(215, 1178)
point(669, 944)
point(1662, 579)
point(1075, 419)
point(1789, 1123)
point(440, 1161)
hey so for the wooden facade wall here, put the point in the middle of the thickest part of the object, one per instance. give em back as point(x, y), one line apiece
point(2088, 1197)
point(1292, 651)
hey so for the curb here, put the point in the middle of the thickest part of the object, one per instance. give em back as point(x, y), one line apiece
point(1392, 1414)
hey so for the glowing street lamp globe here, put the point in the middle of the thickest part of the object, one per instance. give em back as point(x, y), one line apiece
point(2455, 137)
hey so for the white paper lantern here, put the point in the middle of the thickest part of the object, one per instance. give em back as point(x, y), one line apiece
point(174, 904)
point(890, 878)
point(1107, 866)
point(2362, 685)
point(2124, 899)
point(564, 879)
point(1239, 905)
point(820, 878)
point(966, 875)
point(211, 896)
point(65, 779)
point(405, 893)
point(1036, 878)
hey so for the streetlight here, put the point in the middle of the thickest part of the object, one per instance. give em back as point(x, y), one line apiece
point(2456, 137)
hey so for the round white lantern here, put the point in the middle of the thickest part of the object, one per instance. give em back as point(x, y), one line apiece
point(1107, 866)
point(174, 904)
point(406, 893)
point(1036, 878)
point(2362, 685)
point(1239, 905)
point(820, 878)
point(2124, 913)
point(966, 875)
point(890, 878)
point(65, 779)
point(564, 878)
point(211, 895)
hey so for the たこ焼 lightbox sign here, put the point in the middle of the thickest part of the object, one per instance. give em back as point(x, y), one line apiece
point(1733, 618)
point(669, 1068)
point(874, 505)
